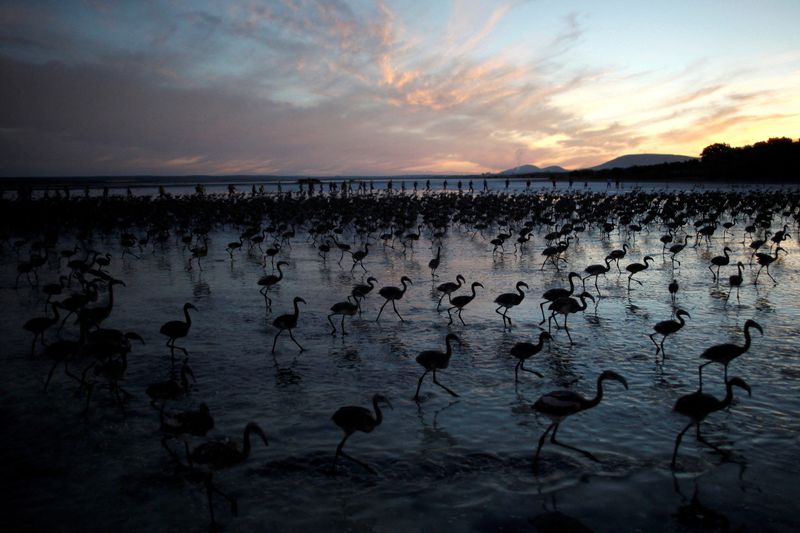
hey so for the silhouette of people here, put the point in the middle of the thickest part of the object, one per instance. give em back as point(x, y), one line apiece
point(470, 186)
point(485, 185)
point(507, 182)
point(445, 184)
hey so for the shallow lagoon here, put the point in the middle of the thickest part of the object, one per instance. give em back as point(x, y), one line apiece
point(458, 463)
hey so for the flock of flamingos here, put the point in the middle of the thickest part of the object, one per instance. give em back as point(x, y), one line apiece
point(57, 256)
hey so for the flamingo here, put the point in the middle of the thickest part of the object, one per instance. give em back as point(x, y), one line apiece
point(391, 294)
point(735, 280)
point(433, 360)
point(352, 418)
point(567, 306)
point(219, 454)
point(725, 353)
point(459, 302)
point(508, 300)
point(719, 261)
point(447, 288)
point(524, 351)
point(698, 405)
point(558, 405)
point(551, 295)
point(288, 323)
point(595, 270)
point(345, 308)
point(765, 260)
point(433, 264)
point(269, 281)
point(635, 268)
point(668, 327)
point(177, 329)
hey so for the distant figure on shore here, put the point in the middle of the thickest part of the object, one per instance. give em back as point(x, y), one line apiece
point(200, 189)
point(570, 181)
point(231, 189)
point(445, 185)
point(403, 186)
point(371, 186)
point(280, 188)
point(507, 182)
point(616, 181)
point(470, 186)
point(459, 185)
point(428, 185)
point(389, 186)
point(553, 181)
point(485, 185)
point(415, 186)
point(608, 182)
point(528, 183)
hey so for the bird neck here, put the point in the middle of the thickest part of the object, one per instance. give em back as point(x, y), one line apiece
point(280, 272)
point(585, 305)
point(521, 294)
point(747, 339)
point(473, 291)
point(571, 285)
point(681, 320)
point(438, 252)
point(296, 309)
point(188, 317)
point(728, 396)
point(378, 412)
point(541, 342)
point(247, 446)
point(598, 397)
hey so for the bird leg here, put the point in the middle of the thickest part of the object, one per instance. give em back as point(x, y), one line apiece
point(654, 342)
point(459, 316)
point(419, 384)
point(516, 371)
point(364, 465)
point(449, 315)
point(716, 448)
point(541, 443)
point(584, 452)
point(295, 341)
point(333, 331)
point(381, 310)
point(440, 301)
point(700, 372)
point(542, 308)
point(522, 366)
point(568, 335)
point(343, 331)
point(210, 490)
point(276, 340)
point(396, 312)
point(442, 386)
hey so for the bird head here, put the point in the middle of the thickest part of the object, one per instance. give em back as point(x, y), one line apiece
point(406, 279)
point(647, 257)
point(380, 398)
point(189, 306)
point(252, 427)
point(587, 295)
point(574, 274)
point(372, 279)
point(545, 336)
point(134, 336)
point(753, 324)
point(297, 299)
point(739, 382)
point(477, 284)
point(460, 277)
point(452, 337)
point(610, 374)
point(522, 284)
point(282, 263)
point(682, 312)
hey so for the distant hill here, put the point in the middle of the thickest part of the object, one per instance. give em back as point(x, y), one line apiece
point(530, 169)
point(642, 160)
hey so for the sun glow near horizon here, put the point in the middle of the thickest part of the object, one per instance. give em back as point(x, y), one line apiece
point(364, 88)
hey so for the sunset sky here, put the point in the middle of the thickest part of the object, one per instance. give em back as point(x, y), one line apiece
point(374, 88)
